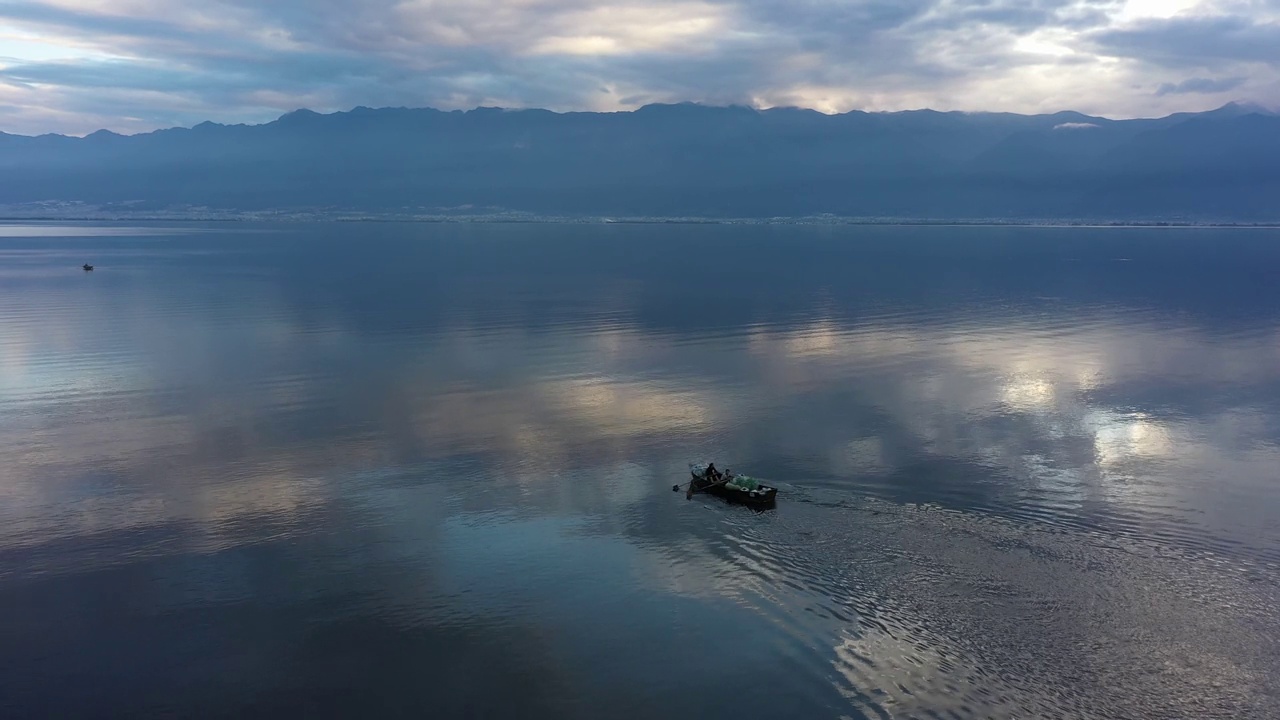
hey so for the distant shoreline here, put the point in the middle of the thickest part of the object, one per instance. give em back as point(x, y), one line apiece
point(556, 220)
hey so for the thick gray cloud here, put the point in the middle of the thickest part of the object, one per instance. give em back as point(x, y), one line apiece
point(1200, 85)
point(1197, 41)
point(75, 65)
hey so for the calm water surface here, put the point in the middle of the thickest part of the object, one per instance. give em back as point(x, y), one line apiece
point(381, 470)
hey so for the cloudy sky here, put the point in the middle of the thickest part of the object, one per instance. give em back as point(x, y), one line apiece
point(74, 66)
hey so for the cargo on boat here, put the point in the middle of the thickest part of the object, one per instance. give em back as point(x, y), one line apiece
point(741, 489)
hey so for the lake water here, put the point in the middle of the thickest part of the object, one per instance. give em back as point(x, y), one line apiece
point(399, 470)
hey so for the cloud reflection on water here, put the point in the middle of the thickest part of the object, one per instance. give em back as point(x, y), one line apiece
point(992, 479)
point(1025, 401)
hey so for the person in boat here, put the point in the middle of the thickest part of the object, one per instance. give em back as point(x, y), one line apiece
point(712, 473)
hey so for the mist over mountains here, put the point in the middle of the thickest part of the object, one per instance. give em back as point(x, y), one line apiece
point(677, 160)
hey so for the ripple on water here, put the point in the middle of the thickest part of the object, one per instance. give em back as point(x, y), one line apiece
point(918, 612)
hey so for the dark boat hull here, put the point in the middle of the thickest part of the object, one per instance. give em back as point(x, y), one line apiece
point(763, 498)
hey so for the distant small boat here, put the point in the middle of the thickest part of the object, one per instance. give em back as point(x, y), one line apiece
point(740, 489)
point(88, 267)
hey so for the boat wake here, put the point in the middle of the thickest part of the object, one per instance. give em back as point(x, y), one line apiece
point(921, 611)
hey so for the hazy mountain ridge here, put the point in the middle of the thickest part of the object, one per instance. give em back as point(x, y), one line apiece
point(678, 160)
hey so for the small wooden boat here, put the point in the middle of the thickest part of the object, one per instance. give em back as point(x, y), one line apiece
point(740, 489)
point(88, 267)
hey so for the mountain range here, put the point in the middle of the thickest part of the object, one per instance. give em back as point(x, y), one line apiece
point(677, 160)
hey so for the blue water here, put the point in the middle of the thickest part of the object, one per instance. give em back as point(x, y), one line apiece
point(415, 470)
